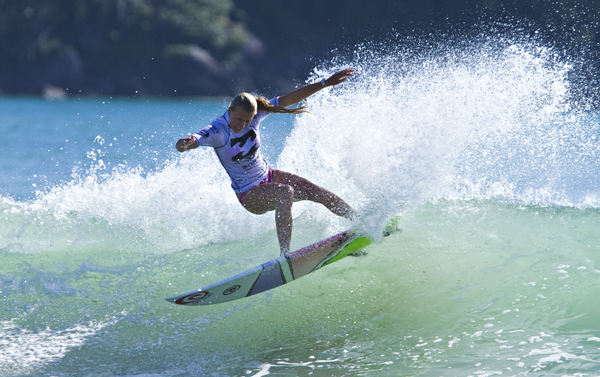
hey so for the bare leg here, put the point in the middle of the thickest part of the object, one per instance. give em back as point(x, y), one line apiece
point(279, 196)
point(306, 190)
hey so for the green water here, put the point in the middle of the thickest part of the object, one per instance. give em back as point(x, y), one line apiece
point(467, 288)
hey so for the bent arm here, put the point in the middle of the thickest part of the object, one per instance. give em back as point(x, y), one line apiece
point(306, 91)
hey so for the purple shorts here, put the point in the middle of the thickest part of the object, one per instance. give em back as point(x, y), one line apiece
point(269, 179)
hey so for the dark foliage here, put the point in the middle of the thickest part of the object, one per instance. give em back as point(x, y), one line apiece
point(219, 47)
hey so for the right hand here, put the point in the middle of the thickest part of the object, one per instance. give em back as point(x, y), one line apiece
point(186, 143)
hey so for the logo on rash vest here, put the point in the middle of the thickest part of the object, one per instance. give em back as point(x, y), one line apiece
point(193, 298)
point(242, 141)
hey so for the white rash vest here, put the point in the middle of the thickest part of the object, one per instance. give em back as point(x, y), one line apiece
point(238, 152)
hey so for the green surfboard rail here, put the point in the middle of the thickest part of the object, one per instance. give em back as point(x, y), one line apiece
point(363, 241)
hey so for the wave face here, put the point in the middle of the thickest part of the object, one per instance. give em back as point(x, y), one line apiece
point(481, 150)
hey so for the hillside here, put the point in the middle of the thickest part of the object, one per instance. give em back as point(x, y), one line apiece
point(220, 47)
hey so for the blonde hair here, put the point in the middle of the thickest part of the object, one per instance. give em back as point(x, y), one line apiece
point(250, 104)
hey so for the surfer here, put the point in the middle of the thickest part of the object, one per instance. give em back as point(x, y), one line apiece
point(260, 188)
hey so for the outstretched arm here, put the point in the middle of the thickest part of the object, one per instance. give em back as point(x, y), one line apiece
point(306, 91)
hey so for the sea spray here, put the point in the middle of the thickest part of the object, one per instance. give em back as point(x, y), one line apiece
point(412, 126)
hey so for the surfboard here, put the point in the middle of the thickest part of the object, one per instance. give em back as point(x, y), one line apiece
point(277, 272)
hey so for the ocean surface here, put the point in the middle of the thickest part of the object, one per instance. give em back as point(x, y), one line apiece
point(482, 151)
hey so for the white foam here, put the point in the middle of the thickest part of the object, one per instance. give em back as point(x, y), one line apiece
point(485, 121)
point(23, 349)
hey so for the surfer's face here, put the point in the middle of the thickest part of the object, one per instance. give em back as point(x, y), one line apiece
point(239, 119)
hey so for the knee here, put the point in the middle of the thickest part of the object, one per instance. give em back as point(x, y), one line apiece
point(285, 194)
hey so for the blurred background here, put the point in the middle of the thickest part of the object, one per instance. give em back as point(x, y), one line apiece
point(131, 48)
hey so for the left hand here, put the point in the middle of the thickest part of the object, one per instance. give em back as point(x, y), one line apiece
point(306, 91)
point(339, 77)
